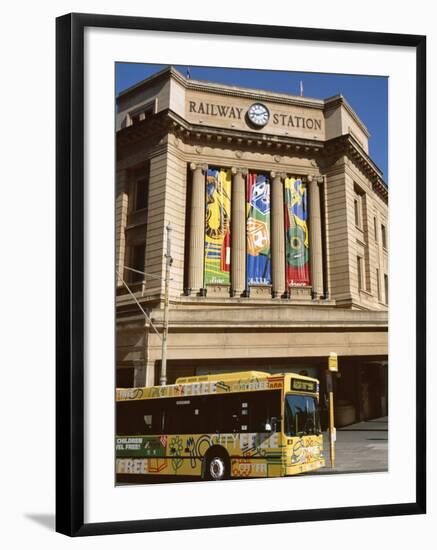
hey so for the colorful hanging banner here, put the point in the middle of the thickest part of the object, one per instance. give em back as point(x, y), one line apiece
point(217, 227)
point(296, 233)
point(258, 230)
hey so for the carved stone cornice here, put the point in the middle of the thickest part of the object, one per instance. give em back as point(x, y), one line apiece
point(347, 145)
point(241, 140)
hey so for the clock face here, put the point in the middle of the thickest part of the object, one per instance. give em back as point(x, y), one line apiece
point(258, 114)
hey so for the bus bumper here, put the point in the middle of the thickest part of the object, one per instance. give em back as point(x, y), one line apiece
point(302, 468)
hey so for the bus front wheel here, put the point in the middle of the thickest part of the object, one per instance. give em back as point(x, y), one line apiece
point(217, 466)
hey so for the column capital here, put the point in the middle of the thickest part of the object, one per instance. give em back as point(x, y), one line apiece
point(238, 170)
point(280, 175)
point(316, 178)
point(195, 166)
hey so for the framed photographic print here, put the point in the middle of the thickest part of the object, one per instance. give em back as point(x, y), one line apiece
point(240, 274)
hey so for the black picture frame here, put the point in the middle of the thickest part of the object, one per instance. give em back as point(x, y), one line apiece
point(70, 272)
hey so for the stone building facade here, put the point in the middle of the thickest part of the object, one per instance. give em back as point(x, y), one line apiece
point(180, 142)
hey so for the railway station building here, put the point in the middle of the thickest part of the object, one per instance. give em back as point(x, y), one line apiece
point(279, 237)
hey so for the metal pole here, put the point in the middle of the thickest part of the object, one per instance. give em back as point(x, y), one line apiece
point(168, 262)
point(332, 431)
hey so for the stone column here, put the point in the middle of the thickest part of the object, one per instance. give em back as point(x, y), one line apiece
point(278, 235)
point(315, 230)
point(238, 232)
point(197, 229)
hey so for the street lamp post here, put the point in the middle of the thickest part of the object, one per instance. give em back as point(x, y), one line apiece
point(168, 262)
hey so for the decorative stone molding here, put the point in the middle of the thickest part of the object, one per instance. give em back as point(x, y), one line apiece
point(303, 293)
point(218, 291)
point(260, 292)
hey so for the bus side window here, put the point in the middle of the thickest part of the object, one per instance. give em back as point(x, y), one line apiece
point(264, 411)
point(148, 423)
point(153, 415)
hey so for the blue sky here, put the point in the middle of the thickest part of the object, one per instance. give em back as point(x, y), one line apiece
point(367, 95)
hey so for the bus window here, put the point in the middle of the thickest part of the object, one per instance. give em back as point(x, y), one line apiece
point(264, 410)
point(301, 416)
point(185, 415)
point(139, 417)
point(222, 413)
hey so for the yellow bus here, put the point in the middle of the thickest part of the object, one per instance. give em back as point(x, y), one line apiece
point(246, 424)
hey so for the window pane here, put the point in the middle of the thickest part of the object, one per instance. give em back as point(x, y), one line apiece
point(383, 236)
point(141, 194)
point(301, 415)
point(357, 216)
point(359, 273)
point(139, 417)
point(137, 262)
point(378, 285)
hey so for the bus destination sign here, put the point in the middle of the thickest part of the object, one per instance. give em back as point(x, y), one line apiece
point(303, 385)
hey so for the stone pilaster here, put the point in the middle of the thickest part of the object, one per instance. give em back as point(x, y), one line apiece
point(197, 229)
point(315, 230)
point(238, 232)
point(278, 235)
point(121, 209)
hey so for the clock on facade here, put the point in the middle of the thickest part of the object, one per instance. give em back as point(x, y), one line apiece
point(258, 114)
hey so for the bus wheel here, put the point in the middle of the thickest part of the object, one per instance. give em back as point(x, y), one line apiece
point(217, 466)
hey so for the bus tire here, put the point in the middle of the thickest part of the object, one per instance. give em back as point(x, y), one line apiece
point(217, 465)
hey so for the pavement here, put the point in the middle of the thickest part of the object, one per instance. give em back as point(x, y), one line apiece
point(360, 447)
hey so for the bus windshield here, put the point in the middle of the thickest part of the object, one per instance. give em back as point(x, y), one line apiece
point(301, 416)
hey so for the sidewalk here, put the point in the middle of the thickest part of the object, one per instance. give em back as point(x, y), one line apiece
point(361, 447)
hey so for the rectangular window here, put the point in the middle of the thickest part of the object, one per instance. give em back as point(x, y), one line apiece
point(184, 415)
point(357, 213)
point(301, 416)
point(137, 263)
point(384, 236)
point(386, 287)
point(375, 229)
point(378, 285)
point(360, 272)
point(140, 417)
point(142, 193)
point(359, 199)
